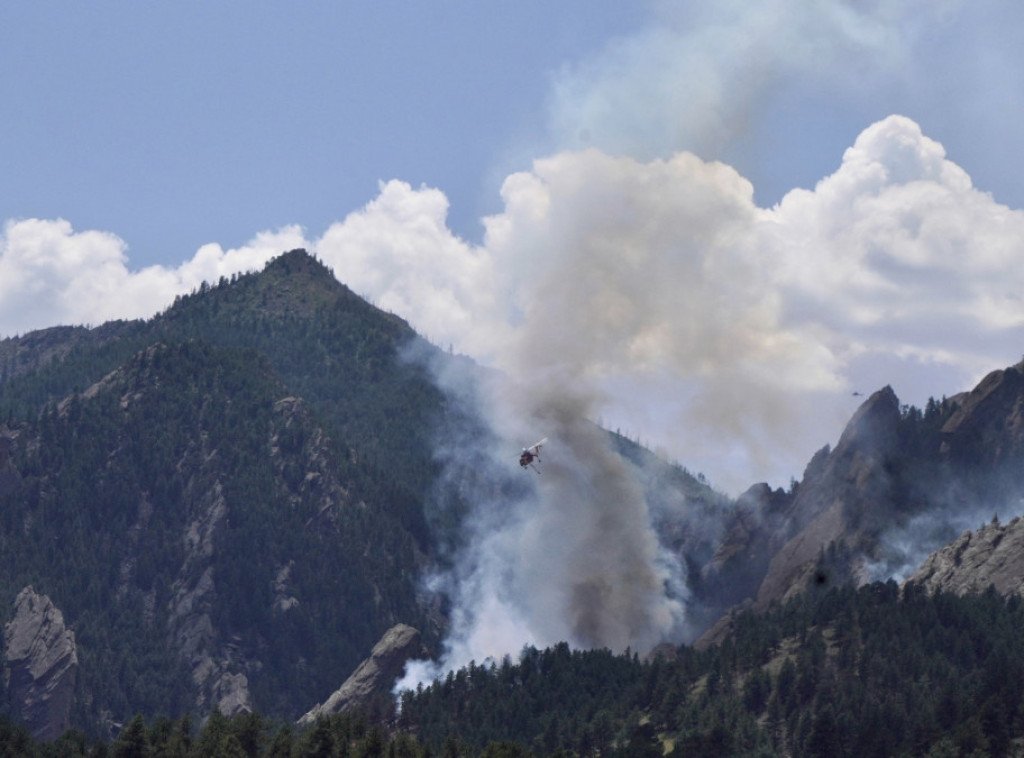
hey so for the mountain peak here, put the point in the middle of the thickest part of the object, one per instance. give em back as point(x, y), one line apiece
point(840, 491)
point(873, 424)
point(299, 262)
point(295, 284)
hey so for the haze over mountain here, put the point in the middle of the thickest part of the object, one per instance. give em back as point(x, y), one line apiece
point(769, 241)
point(249, 489)
point(266, 471)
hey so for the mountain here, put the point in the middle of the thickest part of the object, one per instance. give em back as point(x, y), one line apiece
point(225, 501)
point(233, 501)
point(897, 474)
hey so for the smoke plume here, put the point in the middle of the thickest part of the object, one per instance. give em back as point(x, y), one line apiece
point(564, 551)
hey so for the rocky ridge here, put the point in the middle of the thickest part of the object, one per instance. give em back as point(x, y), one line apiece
point(992, 556)
point(888, 466)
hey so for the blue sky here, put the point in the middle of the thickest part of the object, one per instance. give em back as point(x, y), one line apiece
point(718, 219)
point(178, 124)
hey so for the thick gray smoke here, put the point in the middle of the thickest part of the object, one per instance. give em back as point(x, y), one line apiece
point(566, 552)
point(592, 535)
point(631, 282)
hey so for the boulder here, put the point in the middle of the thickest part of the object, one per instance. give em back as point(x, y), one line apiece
point(40, 662)
point(377, 674)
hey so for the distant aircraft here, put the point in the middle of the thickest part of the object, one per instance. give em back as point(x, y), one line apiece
point(857, 394)
point(531, 454)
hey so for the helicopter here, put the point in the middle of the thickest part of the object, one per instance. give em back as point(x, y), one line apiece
point(531, 454)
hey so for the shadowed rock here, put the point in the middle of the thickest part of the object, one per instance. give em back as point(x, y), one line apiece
point(40, 663)
point(832, 503)
point(988, 426)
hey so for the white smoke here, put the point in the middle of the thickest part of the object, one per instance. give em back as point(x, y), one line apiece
point(625, 274)
point(701, 76)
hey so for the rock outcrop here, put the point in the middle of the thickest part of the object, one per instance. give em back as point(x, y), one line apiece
point(40, 663)
point(753, 534)
point(377, 674)
point(991, 556)
point(213, 663)
point(780, 544)
point(834, 502)
point(988, 425)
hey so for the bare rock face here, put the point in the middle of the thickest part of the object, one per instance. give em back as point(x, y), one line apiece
point(213, 664)
point(773, 550)
point(993, 555)
point(836, 498)
point(40, 663)
point(989, 422)
point(753, 534)
point(378, 673)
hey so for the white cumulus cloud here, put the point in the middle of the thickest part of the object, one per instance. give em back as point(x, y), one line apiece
point(897, 254)
point(50, 274)
point(730, 335)
point(398, 252)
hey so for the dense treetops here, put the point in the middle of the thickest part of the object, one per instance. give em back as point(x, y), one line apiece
point(857, 672)
point(123, 436)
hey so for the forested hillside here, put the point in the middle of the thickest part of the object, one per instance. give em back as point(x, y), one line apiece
point(231, 502)
point(226, 501)
point(865, 672)
point(857, 672)
point(223, 508)
point(326, 344)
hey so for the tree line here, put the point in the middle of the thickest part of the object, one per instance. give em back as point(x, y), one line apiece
point(870, 671)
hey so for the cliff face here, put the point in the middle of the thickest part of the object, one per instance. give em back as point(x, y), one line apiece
point(890, 466)
point(787, 543)
point(991, 556)
point(376, 675)
point(987, 429)
point(834, 502)
point(40, 662)
point(754, 533)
